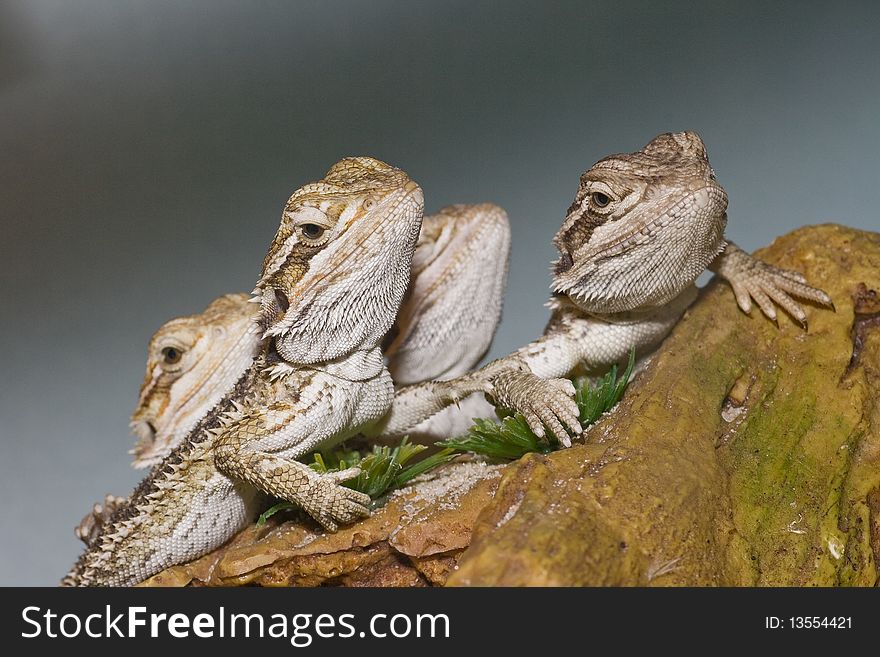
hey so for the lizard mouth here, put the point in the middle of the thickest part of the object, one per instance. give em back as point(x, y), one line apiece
point(146, 444)
point(274, 304)
point(279, 304)
point(281, 301)
point(145, 431)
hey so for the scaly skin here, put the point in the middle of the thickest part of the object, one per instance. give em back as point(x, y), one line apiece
point(642, 228)
point(445, 325)
point(331, 286)
point(453, 306)
point(192, 362)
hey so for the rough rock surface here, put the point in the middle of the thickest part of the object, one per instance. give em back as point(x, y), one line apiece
point(743, 455)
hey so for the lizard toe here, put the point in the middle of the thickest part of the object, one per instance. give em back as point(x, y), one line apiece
point(534, 422)
point(355, 510)
point(357, 497)
point(344, 475)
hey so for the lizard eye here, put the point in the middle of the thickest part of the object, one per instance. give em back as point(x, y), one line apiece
point(311, 232)
point(368, 203)
point(172, 355)
point(599, 199)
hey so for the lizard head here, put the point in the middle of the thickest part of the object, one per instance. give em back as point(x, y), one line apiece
point(191, 363)
point(338, 268)
point(642, 227)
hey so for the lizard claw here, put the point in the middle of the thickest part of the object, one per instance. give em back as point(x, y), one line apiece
point(542, 402)
point(90, 527)
point(333, 504)
point(766, 285)
point(755, 280)
point(344, 475)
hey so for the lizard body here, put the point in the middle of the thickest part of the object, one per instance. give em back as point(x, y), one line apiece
point(445, 325)
point(453, 306)
point(331, 285)
point(643, 226)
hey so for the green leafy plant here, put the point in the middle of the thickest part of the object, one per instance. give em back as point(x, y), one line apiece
point(595, 401)
point(507, 441)
point(385, 468)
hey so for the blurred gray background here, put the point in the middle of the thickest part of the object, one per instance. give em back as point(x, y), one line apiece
point(146, 149)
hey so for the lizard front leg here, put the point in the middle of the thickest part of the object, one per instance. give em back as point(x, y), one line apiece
point(261, 443)
point(542, 392)
point(321, 496)
point(508, 382)
point(533, 379)
point(752, 278)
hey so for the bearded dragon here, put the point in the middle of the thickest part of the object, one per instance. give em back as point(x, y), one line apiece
point(444, 327)
point(330, 289)
point(192, 363)
point(643, 226)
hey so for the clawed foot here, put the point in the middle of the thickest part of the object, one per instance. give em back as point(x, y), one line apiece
point(542, 402)
point(91, 525)
point(753, 279)
point(767, 284)
point(332, 504)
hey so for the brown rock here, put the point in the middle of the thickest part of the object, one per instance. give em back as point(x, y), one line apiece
point(745, 454)
point(414, 539)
